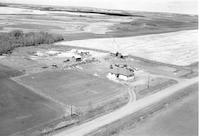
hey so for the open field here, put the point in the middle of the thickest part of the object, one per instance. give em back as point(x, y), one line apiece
point(6, 72)
point(10, 10)
point(143, 120)
point(180, 119)
point(86, 23)
point(173, 48)
point(62, 22)
point(72, 87)
point(21, 109)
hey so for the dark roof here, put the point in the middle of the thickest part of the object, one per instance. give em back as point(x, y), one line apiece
point(121, 71)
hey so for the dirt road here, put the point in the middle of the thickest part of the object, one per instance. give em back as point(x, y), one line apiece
point(130, 108)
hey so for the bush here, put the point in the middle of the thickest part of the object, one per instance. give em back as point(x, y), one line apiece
point(9, 41)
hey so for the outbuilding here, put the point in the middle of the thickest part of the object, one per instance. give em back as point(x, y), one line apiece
point(77, 57)
point(122, 73)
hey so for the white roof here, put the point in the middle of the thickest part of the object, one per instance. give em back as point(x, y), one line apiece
point(66, 54)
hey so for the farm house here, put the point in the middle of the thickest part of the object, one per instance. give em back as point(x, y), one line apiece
point(121, 73)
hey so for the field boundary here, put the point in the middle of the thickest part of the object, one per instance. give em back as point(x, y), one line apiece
point(126, 122)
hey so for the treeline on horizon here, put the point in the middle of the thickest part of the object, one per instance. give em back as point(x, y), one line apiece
point(17, 38)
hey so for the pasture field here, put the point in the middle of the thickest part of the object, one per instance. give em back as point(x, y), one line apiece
point(72, 87)
point(172, 48)
point(22, 109)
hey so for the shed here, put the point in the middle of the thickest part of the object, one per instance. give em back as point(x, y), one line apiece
point(77, 57)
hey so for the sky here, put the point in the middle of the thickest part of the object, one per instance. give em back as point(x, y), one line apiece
point(174, 6)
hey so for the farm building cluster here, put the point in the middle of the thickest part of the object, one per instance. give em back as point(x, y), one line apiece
point(121, 70)
point(75, 57)
point(66, 59)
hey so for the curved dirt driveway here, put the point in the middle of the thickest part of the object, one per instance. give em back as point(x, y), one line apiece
point(126, 110)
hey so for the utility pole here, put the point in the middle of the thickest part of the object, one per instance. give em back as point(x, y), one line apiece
point(148, 82)
point(71, 110)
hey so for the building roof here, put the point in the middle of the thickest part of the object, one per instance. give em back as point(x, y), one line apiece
point(121, 71)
